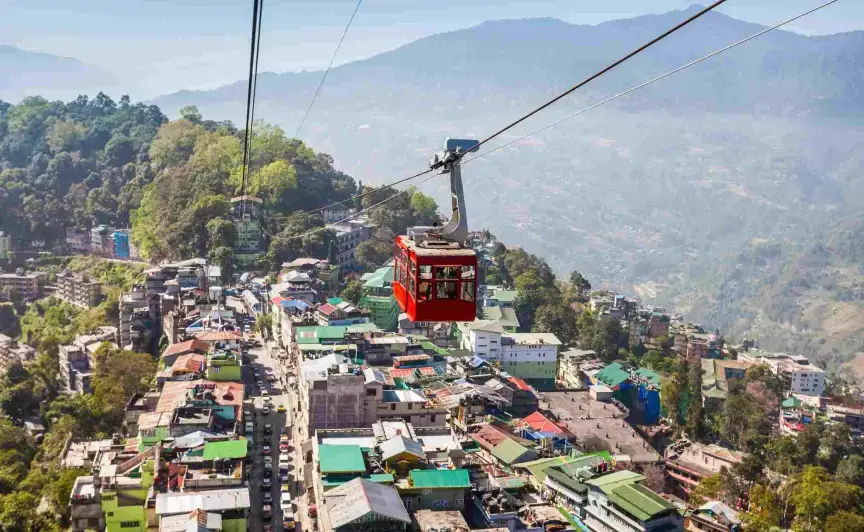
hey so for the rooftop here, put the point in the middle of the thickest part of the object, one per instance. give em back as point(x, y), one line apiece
point(613, 375)
point(435, 520)
point(221, 450)
point(534, 338)
point(439, 478)
point(639, 501)
point(341, 459)
point(609, 482)
point(353, 500)
point(401, 445)
point(508, 451)
point(211, 500)
point(186, 347)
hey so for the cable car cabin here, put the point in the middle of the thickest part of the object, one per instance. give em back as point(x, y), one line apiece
point(435, 281)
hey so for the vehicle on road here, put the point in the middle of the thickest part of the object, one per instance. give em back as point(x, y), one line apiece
point(265, 449)
point(268, 430)
point(267, 497)
point(284, 447)
point(267, 512)
point(265, 410)
point(283, 476)
point(260, 384)
point(257, 374)
point(265, 393)
point(285, 501)
point(284, 457)
point(266, 482)
point(281, 409)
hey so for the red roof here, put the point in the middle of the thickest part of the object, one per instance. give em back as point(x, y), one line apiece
point(189, 363)
point(519, 383)
point(428, 371)
point(401, 372)
point(541, 423)
point(327, 309)
point(277, 300)
point(218, 336)
point(489, 436)
point(189, 346)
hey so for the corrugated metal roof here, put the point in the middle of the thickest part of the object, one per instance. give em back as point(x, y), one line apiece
point(612, 375)
point(226, 449)
point(341, 459)
point(399, 445)
point(440, 478)
point(360, 497)
point(609, 482)
point(508, 451)
point(211, 500)
point(639, 501)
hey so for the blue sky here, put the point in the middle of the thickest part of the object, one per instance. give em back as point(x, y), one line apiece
point(159, 46)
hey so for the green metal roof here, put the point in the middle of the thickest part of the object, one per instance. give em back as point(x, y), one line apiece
point(440, 478)
point(566, 480)
point(538, 468)
point(613, 374)
point(379, 278)
point(639, 501)
point(214, 450)
point(341, 459)
point(791, 402)
point(338, 480)
point(363, 328)
point(510, 483)
point(505, 296)
point(609, 482)
point(429, 346)
point(314, 335)
point(508, 451)
point(652, 376)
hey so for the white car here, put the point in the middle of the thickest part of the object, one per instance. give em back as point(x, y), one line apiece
point(285, 502)
point(284, 457)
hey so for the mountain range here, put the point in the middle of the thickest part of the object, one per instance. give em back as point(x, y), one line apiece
point(24, 73)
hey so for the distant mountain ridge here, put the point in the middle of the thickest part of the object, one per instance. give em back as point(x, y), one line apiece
point(27, 73)
point(526, 55)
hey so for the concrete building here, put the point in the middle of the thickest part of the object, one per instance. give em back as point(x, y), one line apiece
point(687, 463)
point(12, 352)
point(496, 296)
point(713, 516)
point(5, 245)
point(102, 241)
point(121, 244)
point(378, 298)
point(349, 235)
point(246, 212)
point(618, 502)
point(796, 371)
point(140, 319)
point(78, 290)
point(569, 364)
point(26, 285)
point(523, 355)
point(716, 376)
point(356, 505)
point(78, 359)
point(77, 240)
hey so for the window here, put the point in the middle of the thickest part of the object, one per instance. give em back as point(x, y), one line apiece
point(392, 406)
point(467, 291)
point(446, 272)
point(446, 290)
point(410, 406)
point(425, 271)
point(411, 286)
point(467, 272)
point(370, 392)
point(432, 418)
point(130, 524)
point(439, 504)
point(424, 290)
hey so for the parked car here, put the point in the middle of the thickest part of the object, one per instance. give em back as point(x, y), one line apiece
point(266, 482)
point(268, 514)
point(265, 449)
point(267, 497)
point(285, 501)
point(265, 410)
point(260, 384)
point(268, 430)
point(280, 409)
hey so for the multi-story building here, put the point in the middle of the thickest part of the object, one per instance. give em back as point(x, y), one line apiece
point(5, 245)
point(121, 244)
point(688, 463)
point(796, 371)
point(26, 285)
point(78, 240)
point(497, 296)
point(78, 290)
point(102, 241)
point(349, 235)
point(619, 502)
point(75, 371)
point(569, 365)
point(378, 298)
point(717, 374)
point(246, 211)
point(11, 352)
point(523, 355)
point(140, 320)
point(337, 313)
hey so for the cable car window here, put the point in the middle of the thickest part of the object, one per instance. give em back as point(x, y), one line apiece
point(467, 290)
point(446, 272)
point(411, 286)
point(467, 272)
point(397, 271)
point(446, 290)
point(413, 270)
point(425, 271)
point(424, 290)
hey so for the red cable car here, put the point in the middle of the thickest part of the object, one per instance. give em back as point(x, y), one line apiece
point(435, 273)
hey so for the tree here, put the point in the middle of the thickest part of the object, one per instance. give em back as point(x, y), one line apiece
point(376, 251)
point(673, 390)
point(353, 291)
point(709, 489)
point(558, 319)
point(118, 375)
point(655, 478)
point(191, 113)
point(845, 522)
point(765, 509)
point(811, 500)
point(18, 512)
point(603, 335)
point(694, 418)
point(850, 470)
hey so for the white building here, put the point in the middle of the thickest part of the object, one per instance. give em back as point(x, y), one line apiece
point(349, 235)
point(803, 377)
point(523, 355)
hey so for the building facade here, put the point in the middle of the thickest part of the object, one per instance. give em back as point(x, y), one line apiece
point(26, 285)
point(78, 290)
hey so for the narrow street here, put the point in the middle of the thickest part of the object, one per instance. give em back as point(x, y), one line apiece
point(260, 365)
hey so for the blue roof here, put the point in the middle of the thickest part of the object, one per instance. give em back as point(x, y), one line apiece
point(476, 362)
point(295, 303)
point(389, 396)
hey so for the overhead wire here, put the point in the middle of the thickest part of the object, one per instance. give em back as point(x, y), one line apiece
point(653, 80)
point(327, 70)
point(592, 77)
point(551, 125)
point(252, 88)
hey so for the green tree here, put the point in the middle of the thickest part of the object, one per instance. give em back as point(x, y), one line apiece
point(191, 113)
point(673, 391)
point(352, 292)
point(812, 502)
point(765, 509)
point(694, 417)
point(556, 318)
point(850, 470)
point(845, 522)
point(709, 489)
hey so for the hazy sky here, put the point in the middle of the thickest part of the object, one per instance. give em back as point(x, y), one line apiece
point(159, 46)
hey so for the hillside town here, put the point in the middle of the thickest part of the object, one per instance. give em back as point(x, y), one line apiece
point(280, 404)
